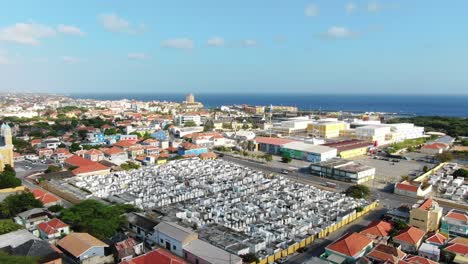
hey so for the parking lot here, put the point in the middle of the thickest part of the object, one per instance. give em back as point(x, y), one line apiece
point(389, 172)
point(24, 168)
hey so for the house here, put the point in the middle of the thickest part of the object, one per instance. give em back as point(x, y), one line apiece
point(128, 248)
point(349, 247)
point(385, 254)
point(455, 223)
point(46, 198)
point(45, 152)
point(426, 215)
point(94, 155)
point(410, 259)
point(410, 238)
point(31, 218)
point(151, 150)
point(61, 154)
point(125, 144)
point(86, 167)
point(187, 148)
point(114, 153)
point(207, 139)
point(271, 145)
point(378, 231)
point(429, 251)
point(412, 189)
point(135, 151)
point(83, 246)
point(173, 237)
point(208, 156)
point(50, 143)
point(437, 239)
point(141, 225)
point(43, 251)
point(53, 229)
point(460, 251)
point(434, 148)
point(159, 256)
point(199, 251)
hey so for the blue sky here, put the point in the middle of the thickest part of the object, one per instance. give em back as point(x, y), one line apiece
point(235, 46)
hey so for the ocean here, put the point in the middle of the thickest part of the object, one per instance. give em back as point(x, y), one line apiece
point(421, 105)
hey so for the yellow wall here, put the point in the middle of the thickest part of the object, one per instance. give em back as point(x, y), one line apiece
point(425, 220)
point(6, 153)
point(13, 190)
point(326, 130)
point(353, 153)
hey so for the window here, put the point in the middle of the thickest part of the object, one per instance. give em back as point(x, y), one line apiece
point(174, 247)
point(162, 241)
point(196, 261)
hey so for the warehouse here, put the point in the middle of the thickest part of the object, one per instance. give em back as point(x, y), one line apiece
point(343, 170)
point(309, 152)
point(350, 148)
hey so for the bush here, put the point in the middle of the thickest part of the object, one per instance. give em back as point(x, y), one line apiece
point(358, 191)
point(268, 157)
point(56, 208)
point(444, 156)
point(286, 158)
point(249, 258)
point(461, 173)
point(52, 168)
point(8, 178)
point(129, 166)
point(7, 226)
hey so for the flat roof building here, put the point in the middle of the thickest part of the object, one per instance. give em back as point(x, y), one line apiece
point(309, 152)
point(343, 170)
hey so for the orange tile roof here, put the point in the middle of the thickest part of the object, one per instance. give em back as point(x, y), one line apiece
point(125, 143)
point(419, 260)
point(52, 226)
point(437, 239)
point(90, 168)
point(462, 216)
point(78, 243)
point(94, 152)
point(62, 150)
point(159, 256)
point(426, 205)
point(78, 161)
point(272, 141)
point(44, 197)
point(406, 186)
point(459, 240)
point(378, 229)
point(435, 146)
point(112, 151)
point(459, 249)
point(386, 253)
point(410, 235)
point(350, 244)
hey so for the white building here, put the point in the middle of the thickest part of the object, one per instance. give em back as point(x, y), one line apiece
point(183, 119)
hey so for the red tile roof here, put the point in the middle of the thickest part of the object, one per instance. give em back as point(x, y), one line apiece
point(406, 186)
point(378, 229)
point(426, 205)
point(52, 226)
point(44, 197)
point(350, 244)
point(437, 239)
point(84, 165)
point(93, 152)
point(125, 143)
point(159, 256)
point(435, 146)
point(273, 141)
point(461, 216)
point(419, 260)
point(90, 168)
point(188, 145)
point(112, 151)
point(410, 235)
point(78, 161)
point(386, 253)
point(459, 249)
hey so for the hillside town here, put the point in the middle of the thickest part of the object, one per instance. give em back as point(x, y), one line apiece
point(127, 181)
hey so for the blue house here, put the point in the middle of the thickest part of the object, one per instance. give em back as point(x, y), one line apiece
point(188, 148)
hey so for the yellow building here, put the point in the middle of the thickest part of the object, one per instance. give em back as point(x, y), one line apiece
point(426, 215)
point(351, 153)
point(6, 147)
point(327, 129)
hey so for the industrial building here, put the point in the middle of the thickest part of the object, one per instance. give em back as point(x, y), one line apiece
point(343, 170)
point(350, 148)
point(309, 152)
point(327, 129)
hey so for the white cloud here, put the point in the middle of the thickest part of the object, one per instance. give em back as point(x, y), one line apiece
point(350, 8)
point(373, 7)
point(311, 10)
point(70, 30)
point(339, 33)
point(216, 41)
point(26, 33)
point(70, 60)
point(114, 23)
point(137, 56)
point(250, 42)
point(178, 43)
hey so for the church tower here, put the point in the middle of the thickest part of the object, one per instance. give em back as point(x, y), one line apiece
point(6, 134)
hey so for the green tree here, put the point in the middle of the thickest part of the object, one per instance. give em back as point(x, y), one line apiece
point(9, 259)
point(17, 203)
point(461, 173)
point(8, 178)
point(245, 126)
point(96, 218)
point(358, 191)
point(227, 125)
point(129, 166)
point(190, 123)
point(286, 157)
point(249, 258)
point(7, 226)
point(56, 208)
point(208, 126)
point(444, 156)
point(74, 147)
point(52, 168)
point(110, 131)
point(268, 157)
